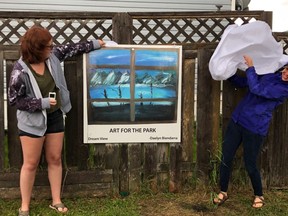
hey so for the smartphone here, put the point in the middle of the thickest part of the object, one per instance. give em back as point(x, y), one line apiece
point(52, 95)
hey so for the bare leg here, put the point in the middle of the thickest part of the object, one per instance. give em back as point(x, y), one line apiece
point(53, 153)
point(31, 148)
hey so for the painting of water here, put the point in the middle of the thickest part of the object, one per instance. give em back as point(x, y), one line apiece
point(133, 85)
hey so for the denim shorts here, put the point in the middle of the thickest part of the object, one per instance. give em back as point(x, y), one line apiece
point(55, 124)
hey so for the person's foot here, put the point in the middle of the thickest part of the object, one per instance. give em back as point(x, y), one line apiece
point(221, 198)
point(60, 208)
point(258, 202)
point(23, 213)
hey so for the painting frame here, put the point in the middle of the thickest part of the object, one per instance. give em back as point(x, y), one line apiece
point(132, 94)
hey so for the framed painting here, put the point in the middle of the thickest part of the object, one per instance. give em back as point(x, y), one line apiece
point(132, 93)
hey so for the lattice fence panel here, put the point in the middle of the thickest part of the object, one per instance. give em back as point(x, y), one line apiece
point(283, 39)
point(63, 30)
point(182, 30)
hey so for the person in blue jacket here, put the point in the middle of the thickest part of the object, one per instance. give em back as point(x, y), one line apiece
point(249, 125)
point(35, 75)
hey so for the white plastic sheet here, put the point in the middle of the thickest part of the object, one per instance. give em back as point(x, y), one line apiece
point(110, 43)
point(254, 39)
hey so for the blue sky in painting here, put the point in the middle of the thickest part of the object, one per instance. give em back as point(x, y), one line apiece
point(143, 57)
point(108, 56)
point(156, 58)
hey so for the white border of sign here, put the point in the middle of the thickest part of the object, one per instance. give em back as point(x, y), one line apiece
point(134, 133)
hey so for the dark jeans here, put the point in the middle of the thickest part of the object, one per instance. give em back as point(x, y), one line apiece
point(234, 136)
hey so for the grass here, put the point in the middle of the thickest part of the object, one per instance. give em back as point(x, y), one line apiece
point(162, 204)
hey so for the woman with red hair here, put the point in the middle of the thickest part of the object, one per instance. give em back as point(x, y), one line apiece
point(35, 77)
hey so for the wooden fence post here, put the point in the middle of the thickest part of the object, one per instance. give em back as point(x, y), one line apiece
point(188, 120)
point(122, 34)
point(122, 27)
point(208, 115)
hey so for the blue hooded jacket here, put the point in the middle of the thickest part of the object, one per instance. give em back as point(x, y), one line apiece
point(265, 93)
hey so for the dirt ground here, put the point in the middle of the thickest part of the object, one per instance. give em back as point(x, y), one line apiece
point(199, 204)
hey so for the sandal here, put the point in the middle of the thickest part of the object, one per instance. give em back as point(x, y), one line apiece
point(59, 208)
point(259, 203)
point(219, 201)
point(23, 213)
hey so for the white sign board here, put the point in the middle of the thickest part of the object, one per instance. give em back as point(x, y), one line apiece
point(132, 94)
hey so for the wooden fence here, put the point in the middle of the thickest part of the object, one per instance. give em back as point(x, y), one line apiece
point(101, 169)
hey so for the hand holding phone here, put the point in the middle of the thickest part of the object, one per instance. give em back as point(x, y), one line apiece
point(52, 96)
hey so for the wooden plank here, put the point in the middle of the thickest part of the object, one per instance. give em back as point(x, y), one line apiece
point(113, 162)
point(208, 115)
point(70, 191)
point(196, 15)
point(150, 166)
point(175, 164)
point(2, 132)
point(83, 150)
point(99, 158)
point(10, 54)
point(188, 95)
point(77, 152)
point(85, 190)
point(265, 159)
point(122, 28)
point(89, 176)
point(163, 165)
point(267, 17)
point(71, 123)
point(188, 129)
point(14, 147)
point(274, 166)
point(135, 167)
point(123, 170)
point(231, 97)
point(55, 15)
point(72, 178)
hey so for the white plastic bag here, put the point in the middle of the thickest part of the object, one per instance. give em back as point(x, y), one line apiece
point(254, 39)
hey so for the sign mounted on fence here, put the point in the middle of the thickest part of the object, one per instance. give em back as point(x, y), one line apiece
point(132, 93)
